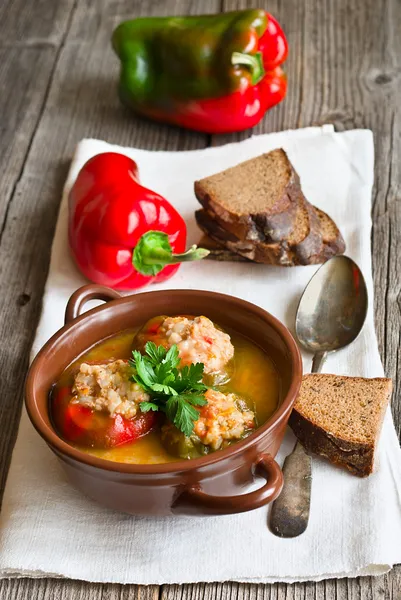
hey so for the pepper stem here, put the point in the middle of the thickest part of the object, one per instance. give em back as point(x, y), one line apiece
point(153, 252)
point(253, 61)
point(194, 253)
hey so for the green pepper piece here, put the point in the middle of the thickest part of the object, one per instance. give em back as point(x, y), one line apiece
point(178, 444)
point(164, 59)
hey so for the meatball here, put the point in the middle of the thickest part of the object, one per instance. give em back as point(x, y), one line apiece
point(197, 339)
point(223, 419)
point(108, 387)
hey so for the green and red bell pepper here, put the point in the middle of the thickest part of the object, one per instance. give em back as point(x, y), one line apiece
point(212, 73)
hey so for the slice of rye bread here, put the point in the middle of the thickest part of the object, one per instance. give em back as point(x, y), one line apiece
point(219, 252)
point(315, 247)
point(271, 254)
point(340, 418)
point(256, 200)
point(330, 233)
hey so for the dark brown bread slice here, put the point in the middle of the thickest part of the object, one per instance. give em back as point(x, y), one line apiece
point(305, 243)
point(241, 201)
point(309, 250)
point(269, 254)
point(227, 198)
point(255, 200)
point(311, 244)
point(340, 418)
point(330, 233)
point(332, 240)
point(219, 252)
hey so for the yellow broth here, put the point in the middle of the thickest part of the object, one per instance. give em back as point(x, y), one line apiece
point(253, 377)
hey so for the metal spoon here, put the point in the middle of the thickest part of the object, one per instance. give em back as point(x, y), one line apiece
point(330, 315)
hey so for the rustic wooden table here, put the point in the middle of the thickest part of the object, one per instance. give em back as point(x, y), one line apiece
point(57, 82)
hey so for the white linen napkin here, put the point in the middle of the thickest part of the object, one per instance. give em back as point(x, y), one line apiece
point(49, 528)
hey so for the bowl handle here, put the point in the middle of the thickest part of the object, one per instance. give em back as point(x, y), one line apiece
point(85, 293)
point(198, 501)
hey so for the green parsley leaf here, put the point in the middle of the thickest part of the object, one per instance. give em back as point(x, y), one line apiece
point(172, 357)
point(155, 353)
point(172, 390)
point(190, 378)
point(164, 389)
point(147, 406)
point(194, 399)
point(144, 370)
point(182, 414)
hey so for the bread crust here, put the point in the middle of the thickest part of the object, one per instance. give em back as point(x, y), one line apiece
point(356, 458)
point(268, 254)
point(328, 437)
point(335, 242)
point(219, 252)
point(310, 250)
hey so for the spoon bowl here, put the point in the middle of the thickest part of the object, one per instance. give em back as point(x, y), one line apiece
point(333, 307)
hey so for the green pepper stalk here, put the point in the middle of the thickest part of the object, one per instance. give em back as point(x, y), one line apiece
point(153, 252)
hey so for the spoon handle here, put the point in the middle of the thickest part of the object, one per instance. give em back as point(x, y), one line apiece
point(318, 361)
point(290, 512)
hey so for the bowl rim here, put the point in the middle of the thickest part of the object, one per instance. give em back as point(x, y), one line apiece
point(64, 448)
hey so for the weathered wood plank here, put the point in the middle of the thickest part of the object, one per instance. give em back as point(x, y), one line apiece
point(25, 73)
point(37, 23)
point(61, 589)
point(21, 102)
point(361, 588)
point(25, 70)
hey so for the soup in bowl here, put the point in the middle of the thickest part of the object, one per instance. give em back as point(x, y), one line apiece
point(103, 407)
point(167, 402)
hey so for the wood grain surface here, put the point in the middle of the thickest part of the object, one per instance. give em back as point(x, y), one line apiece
point(57, 78)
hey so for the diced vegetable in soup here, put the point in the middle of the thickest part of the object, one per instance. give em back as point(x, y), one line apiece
point(179, 388)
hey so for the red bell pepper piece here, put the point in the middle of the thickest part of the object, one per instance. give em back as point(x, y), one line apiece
point(84, 426)
point(122, 234)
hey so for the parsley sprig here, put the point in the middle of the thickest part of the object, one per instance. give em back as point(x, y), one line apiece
point(176, 392)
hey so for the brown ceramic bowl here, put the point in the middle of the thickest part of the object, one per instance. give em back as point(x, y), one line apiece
point(212, 485)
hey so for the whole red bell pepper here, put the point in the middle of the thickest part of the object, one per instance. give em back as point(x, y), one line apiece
point(122, 234)
point(212, 73)
point(82, 425)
